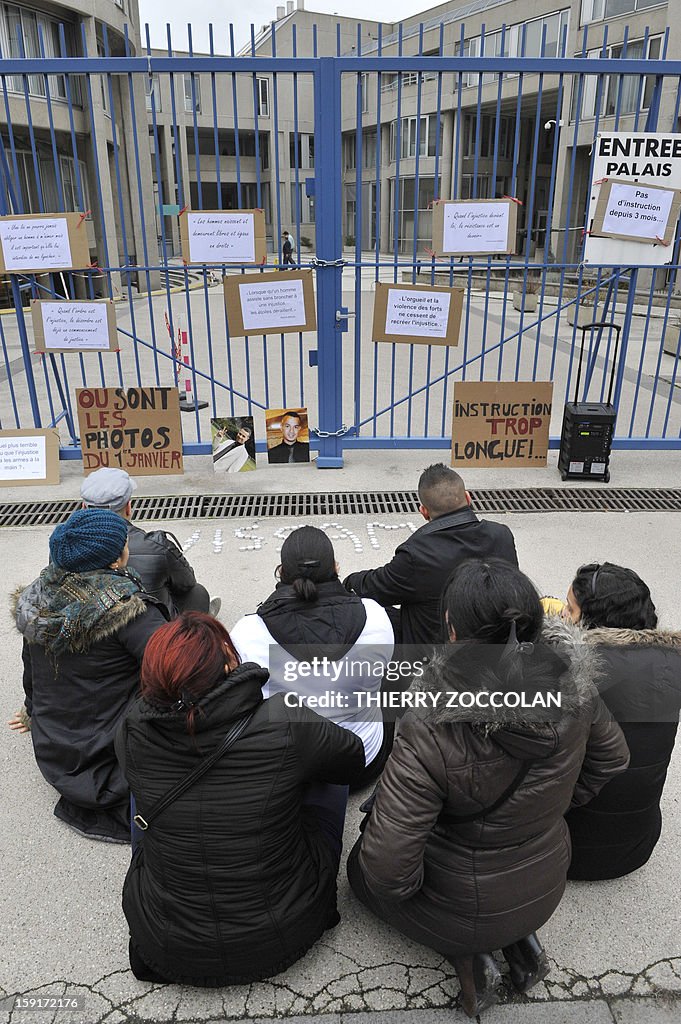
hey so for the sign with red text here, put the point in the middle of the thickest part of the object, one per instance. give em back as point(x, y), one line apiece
point(501, 424)
point(135, 429)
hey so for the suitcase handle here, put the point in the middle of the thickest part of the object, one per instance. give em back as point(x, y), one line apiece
point(598, 325)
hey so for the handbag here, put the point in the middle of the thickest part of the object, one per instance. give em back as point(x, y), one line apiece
point(143, 822)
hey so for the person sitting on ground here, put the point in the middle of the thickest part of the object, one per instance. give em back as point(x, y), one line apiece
point(236, 879)
point(416, 575)
point(640, 682)
point(155, 554)
point(85, 623)
point(466, 848)
point(310, 614)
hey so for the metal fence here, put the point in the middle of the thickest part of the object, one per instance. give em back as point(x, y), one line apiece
point(348, 152)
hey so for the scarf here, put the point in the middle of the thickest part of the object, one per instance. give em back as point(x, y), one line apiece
point(68, 612)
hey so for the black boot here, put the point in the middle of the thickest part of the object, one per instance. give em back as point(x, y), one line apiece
point(480, 980)
point(528, 962)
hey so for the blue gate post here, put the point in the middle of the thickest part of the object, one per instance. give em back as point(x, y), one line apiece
point(327, 121)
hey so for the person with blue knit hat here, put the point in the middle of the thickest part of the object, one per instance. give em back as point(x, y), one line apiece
point(85, 623)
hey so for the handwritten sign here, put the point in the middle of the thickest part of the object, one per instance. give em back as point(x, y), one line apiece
point(474, 227)
point(417, 314)
point(501, 424)
point(65, 326)
point(635, 212)
point(279, 302)
point(29, 457)
point(44, 242)
point(136, 429)
point(223, 236)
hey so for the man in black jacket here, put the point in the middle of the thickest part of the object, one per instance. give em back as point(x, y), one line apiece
point(415, 577)
point(156, 555)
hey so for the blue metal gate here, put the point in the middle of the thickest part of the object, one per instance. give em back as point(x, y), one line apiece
point(349, 152)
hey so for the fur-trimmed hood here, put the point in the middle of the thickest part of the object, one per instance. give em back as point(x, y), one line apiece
point(70, 612)
point(610, 637)
point(560, 662)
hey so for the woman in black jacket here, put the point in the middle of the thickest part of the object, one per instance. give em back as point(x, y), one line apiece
point(236, 878)
point(640, 682)
point(85, 623)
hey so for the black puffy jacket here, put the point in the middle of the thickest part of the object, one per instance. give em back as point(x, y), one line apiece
point(640, 683)
point(160, 563)
point(233, 882)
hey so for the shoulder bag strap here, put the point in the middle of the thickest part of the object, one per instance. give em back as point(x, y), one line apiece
point(459, 819)
point(193, 776)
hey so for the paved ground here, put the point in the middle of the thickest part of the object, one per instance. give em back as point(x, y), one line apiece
point(615, 947)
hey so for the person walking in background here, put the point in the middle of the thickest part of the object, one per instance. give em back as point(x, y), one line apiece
point(236, 878)
point(85, 623)
point(416, 575)
point(155, 554)
point(287, 250)
point(466, 848)
point(640, 682)
point(310, 614)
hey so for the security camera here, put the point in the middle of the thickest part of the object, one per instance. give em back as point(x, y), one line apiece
point(549, 124)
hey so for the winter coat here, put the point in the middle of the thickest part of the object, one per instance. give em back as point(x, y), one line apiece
point(332, 626)
point(416, 576)
point(233, 882)
point(472, 887)
point(164, 570)
point(77, 696)
point(640, 682)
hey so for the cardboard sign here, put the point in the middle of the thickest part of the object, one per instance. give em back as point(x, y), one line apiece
point(135, 429)
point(43, 243)
point(223, 236)
point(635, 212)
point(634, 158)
point(29, 457)
point(501, 424)
point(73, 326)
point(279, 302)
point(417, 314)
point(474, 227)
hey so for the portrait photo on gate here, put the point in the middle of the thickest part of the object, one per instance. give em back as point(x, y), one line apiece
point(233, 444)
point(288, 438)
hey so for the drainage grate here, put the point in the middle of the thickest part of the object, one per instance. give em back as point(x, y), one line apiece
point(348, 503)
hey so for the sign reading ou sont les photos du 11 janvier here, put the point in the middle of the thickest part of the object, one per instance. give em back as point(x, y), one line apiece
point(497, 424)
point(136, 429)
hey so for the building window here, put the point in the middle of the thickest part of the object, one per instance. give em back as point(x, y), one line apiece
point(619, 93)
point(263, 97)
point(408, 137)
point(152, 87)
point(192, 94)
point(29, 195)
point(406, 218)
point(301, 205)
point(19, 27)
point(369, 145)
point(301, 150)
point(597, 10)
point(488, 125)
point(523, 39)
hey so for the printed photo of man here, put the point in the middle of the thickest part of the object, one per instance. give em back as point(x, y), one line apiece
point(287, 436)
point(233, 444)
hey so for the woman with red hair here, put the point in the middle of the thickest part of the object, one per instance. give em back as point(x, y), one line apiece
point(235, 877)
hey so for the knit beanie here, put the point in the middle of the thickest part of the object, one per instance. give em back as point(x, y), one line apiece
point(91, 538)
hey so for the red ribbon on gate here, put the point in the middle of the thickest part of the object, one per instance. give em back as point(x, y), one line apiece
point(82, 218)
point(599, 181)
point(513, 199)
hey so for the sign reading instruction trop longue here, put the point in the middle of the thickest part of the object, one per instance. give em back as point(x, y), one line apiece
point(223, 236)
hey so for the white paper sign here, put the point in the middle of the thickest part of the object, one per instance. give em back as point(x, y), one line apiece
point(77, 325)
point(34, 244)
point(23, 458)
point(272, 304)
point(416, 314)
point(637, 210)
point(221, 237)
point(475, 227)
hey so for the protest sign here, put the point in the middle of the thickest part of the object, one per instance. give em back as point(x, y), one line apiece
point(417, 314)
point(637, 213)
point(73, 326)
point(501, 423)
point(29, 457)
point(474, 227)
point(277, 302)
point(43, 243)
point(223, 236)
point(136, 429)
